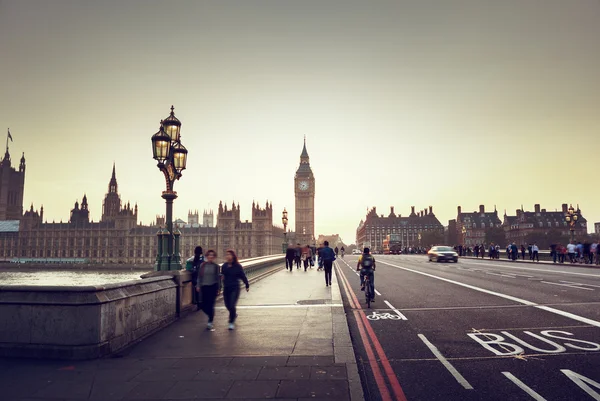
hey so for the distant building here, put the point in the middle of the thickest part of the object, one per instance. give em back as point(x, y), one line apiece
point(12, 185)
point(470, 227)
point(118, 238)
point(541, 221)
point(374, 229)
point(333, 239)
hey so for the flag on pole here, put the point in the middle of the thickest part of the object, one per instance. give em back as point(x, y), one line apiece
point(9, 135)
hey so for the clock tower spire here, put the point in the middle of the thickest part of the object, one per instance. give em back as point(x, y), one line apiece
point(304, 187)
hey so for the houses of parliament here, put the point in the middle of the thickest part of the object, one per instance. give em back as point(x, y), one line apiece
point(118, 238)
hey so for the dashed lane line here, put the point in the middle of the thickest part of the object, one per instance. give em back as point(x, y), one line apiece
point(459, 378)
point(505, 296)
point(567, 285)
point(524, 387)
point(508, 266)
point(395, 310)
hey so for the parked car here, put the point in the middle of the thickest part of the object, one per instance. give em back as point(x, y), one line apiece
point(442, 254)
point(356, 252)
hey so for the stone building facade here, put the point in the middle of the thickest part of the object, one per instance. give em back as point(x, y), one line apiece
point(118, 238)
point(374, 229)
point(470, 227)
point(541, 221)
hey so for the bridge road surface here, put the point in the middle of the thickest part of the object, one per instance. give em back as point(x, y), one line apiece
point(475, 330)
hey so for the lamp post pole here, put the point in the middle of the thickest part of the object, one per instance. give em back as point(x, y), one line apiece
point(284, 220)
point(571, 217)
point(171, 157)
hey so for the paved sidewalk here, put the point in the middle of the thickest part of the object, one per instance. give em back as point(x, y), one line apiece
point(291, 342)
point(531, 262)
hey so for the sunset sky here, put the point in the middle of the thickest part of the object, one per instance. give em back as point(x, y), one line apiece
point(440, 103)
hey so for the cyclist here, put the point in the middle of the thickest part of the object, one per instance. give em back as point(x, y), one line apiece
point(342, 251)
point(336, 250)
point(366, 266)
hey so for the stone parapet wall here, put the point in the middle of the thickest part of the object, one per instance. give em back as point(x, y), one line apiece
point(85, 322)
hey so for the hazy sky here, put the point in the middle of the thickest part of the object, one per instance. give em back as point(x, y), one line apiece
point(403, 102)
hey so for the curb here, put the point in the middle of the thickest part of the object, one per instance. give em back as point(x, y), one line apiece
point(343, 349)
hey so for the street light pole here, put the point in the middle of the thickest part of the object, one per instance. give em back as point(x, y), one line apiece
point(171, 157)
point(284, 220)
point(571, 217)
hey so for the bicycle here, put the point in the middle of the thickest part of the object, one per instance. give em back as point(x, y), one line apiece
point(368, 294)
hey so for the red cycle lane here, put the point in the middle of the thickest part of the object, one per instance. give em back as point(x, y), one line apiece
point(372, 346)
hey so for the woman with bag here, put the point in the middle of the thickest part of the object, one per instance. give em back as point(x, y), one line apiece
point(232, 272)
point(209, 286)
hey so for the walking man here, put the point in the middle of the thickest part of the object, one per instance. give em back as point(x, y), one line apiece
point(328, 257)
point(535, 253)
point(290, 255)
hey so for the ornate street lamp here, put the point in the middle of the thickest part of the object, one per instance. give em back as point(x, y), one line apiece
point(171, 157)
point(571, 217)
point(284, 220)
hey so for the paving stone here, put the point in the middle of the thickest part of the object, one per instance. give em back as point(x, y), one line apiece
point(259, 361)
point(135, 363)
point(111, 390)
point(149, 390)
point(332, 389)
point(123, 375)
point(344, 354)
point(328, 373)
point(199, 389)
point(66, 389)
point(229, 373)
point(245, 389)
point(199, 363)
point(285, 372)
point(174, 375)
point(310, 361)
point(11, 387)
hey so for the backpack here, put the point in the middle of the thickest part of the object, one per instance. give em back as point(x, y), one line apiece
point(367, 262)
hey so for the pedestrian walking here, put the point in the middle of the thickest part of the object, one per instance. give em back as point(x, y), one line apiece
point(514, 252)
point(522, 251)
point(209, 286)
point(232, 272)
point(554, 252)
point(290, 255)
point(328, 256)
point(298, 256)
point(535, 253)
point(571, 249)
point(195, 263)
point(306, 256)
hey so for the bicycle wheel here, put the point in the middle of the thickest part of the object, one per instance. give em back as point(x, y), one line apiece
point(368, 293)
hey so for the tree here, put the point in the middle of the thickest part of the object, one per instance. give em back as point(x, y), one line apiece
point(495, 235)
point(431, 238)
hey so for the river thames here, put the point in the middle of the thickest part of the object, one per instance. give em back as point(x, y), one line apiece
point(67, 277)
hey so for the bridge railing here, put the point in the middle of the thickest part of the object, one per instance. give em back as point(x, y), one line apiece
point(84, 322)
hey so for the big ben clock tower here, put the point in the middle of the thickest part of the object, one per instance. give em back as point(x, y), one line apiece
point(304, 184)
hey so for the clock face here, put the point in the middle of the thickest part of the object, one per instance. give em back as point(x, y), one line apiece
point(303, 186)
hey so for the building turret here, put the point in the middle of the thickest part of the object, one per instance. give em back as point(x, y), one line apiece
point(22, 164)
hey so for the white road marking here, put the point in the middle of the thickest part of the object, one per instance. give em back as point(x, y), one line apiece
point(377, 292)
point(533, 269)
point(501, 275)
point(505, 296)
point(396, 310)
point(571, 282)
point(523, 386)
point(459, 378)
point(568, 285)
